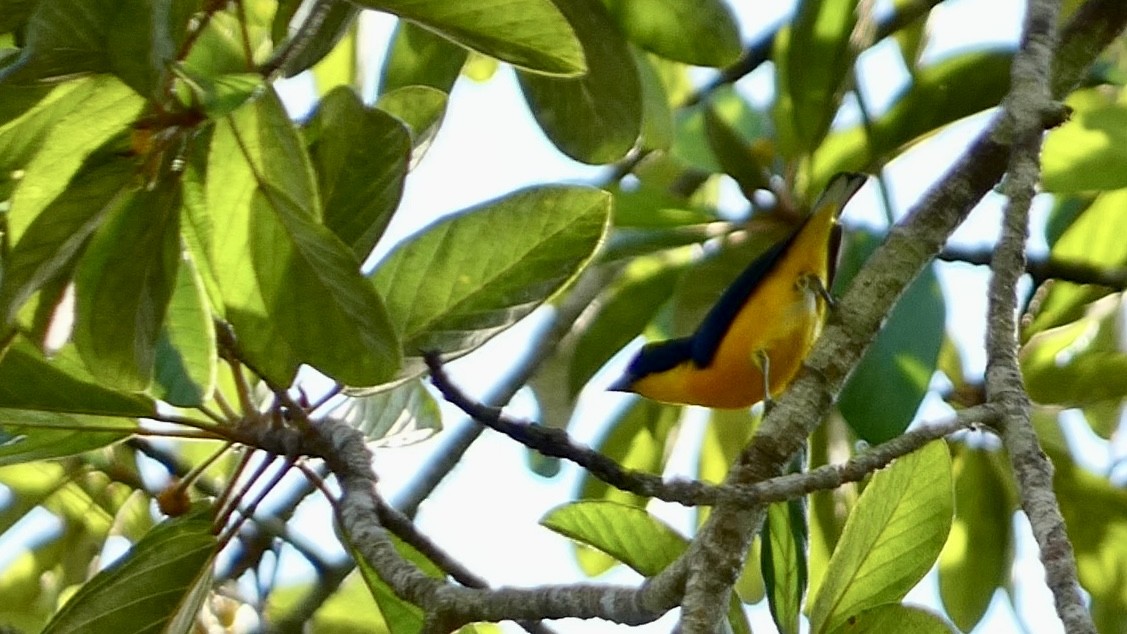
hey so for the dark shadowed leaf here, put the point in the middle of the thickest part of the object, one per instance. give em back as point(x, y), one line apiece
point(421, 109)
point(886, 388)
point(150, 587)
point(891, 539)
point(63, 38)
point(322, 39)
point(142, 40)
point(418, 57)
point(466, 278)
point(702, 33)
point(360, 155)
point(292, 289)
point(123, 284)
point(595, 118)
point(657, 114)
point(60, 384)
point(531, 34)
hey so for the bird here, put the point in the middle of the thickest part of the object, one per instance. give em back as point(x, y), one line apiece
point(752, 342)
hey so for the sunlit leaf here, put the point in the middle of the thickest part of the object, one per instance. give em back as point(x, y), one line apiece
point(627, 533)
point(891, 539)
point(702, 33)
point(421, 109)
point(894, 617)
point(293, 291)
point(1087, 152)
point(28, 435)
point(184, 373)
point(531, 34)
point(467, 277)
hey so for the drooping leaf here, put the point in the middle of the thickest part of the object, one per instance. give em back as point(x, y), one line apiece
point(150, 586)
point(701, 33)
point(402, 415)
point(627, 533)
point(50, 244)
point(29, 435)
point(292, 290)
point(657, 114)
point(360, 183)
point(124, 282)
point(531, 34)
point(784, 562)
point(100, 108)
point(468, 277)
point(186, 358)
point(735, 154)
point(714, 149)
point(401, 617)
point(812, 56)
point(418, 57)
point(891, 539)
point(1087, 152)
point(60, 384)
point(886, 388)
point(978, 555)
point(595, 118)
point(330, 31)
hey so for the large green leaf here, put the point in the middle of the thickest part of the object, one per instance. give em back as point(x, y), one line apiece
point(292, 290)
point(360, 183)
point(978, 555)
point(421, 109)
point(49, 246)
point(123, 284)
point(26, 116)
point(627, 533)
point(595, 118)
point(886, 388)
point(100, 108)
point(702, 33)
point(63, 38)
point(784, 562)
point(470, 276)
point(418, 57)
point(531, 34)
point(60, 384)
point(1087, 152)
point(812, 59)
point(894, 617)
point(151, 587)
point(29, 435)
point(143, 38)
point(401, 616)
point(891, 539)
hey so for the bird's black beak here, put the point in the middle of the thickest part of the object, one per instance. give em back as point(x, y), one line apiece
point(623, 384)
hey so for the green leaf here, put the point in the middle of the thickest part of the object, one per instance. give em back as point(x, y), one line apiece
point(418, 57)
point(60, 384)
point(891, 539)
point(702, 33)
point(421, 109)
point(148, 588)
point(63, 38)
point(402, 415)
point(735, 154)
point(360, 183)
point(100, 108)
point(894, 617)
point(1080, 363)
point(323, 38)
point(466, 278)
point(531, 34)
point(912, 38)
point(402, 617)
point(621, 314)
point(293, 291)
point(27, 114)
point(886, 388)
point(943, 92)
point(812, 57)
point(638, 439)
point(627, 533)
point(595, 118)
point(142, 41)
point(784, 562)
point(28, 435)
point(1087, 152)
point(978, 555)
point(720, 146)
point(657, 115)
point(48, 248)
point(15, 13)
point(186, 354)
point(123, 284)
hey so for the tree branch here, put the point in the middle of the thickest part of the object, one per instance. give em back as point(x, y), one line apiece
point(1027, 107)
point(1048, 269)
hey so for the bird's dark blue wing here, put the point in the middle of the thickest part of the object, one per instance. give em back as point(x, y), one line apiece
point(706, 340)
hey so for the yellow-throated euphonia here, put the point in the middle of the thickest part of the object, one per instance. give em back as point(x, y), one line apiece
point(752, 343)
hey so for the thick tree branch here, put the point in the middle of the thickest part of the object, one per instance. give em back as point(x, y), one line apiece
point(715, 556)
point(1026, 108)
